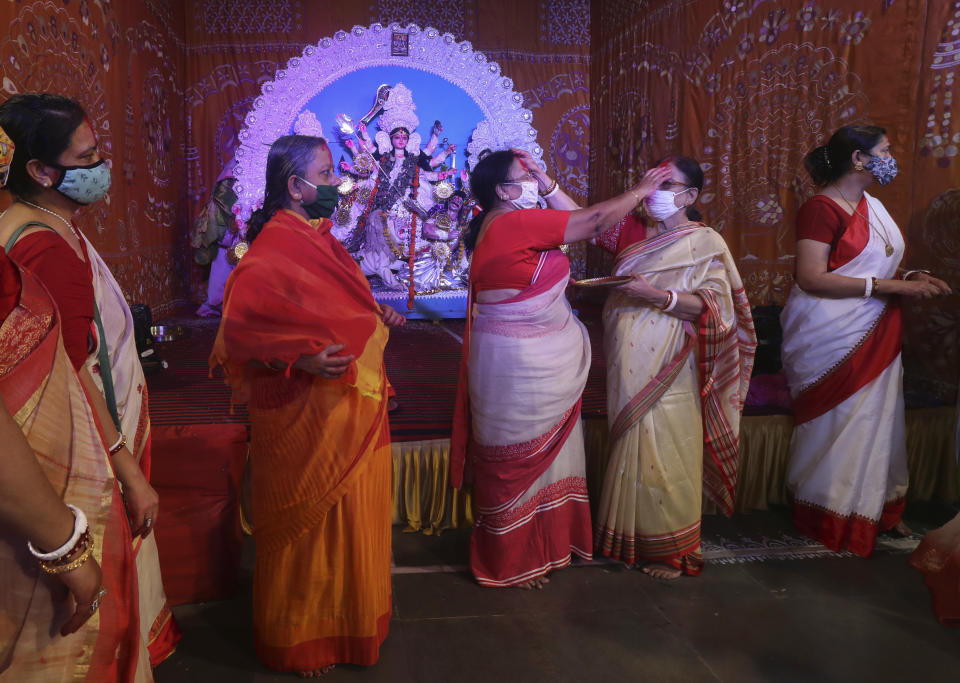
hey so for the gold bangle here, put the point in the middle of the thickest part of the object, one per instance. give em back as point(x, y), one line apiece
point(550, 190)
point(636, 197)
point(64, 568)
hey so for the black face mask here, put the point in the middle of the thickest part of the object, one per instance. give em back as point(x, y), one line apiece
point(325, 203)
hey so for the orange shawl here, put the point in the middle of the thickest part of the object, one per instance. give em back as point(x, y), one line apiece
point(294, 293)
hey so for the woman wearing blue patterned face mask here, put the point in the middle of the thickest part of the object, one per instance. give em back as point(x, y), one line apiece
point(841, 347)
point(55, 171)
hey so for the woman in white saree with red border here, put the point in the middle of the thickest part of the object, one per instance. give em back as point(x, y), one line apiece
point(842, 335)
point(517, 433)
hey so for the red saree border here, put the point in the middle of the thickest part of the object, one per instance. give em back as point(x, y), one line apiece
point(864, 363)
point(721, 440)
point(638, 406)
point(164, 636)
point(527, 461)
point(852, 532)
point(639, 548)
point(321, 652)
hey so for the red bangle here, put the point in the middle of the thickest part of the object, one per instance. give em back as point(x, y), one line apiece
point(117, 447)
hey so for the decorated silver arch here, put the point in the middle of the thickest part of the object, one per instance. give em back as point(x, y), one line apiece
point(503, 122)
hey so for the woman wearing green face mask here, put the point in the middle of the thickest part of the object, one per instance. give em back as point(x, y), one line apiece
point(302, 340)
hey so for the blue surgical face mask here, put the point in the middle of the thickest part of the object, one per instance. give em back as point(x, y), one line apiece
point(84, 184)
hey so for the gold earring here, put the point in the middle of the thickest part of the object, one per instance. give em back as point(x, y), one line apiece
point(858, 166)
point(297, 198)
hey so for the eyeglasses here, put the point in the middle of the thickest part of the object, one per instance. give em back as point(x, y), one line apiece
point(672, 185)
point(522, 179)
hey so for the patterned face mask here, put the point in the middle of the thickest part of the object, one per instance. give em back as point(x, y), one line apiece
point(84, 184)
point(884, 169)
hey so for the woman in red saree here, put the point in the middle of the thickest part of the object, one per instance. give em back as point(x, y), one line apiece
point(679, 343)
point(526, 357)
point(54, 453)
point(56, 171)
point(842, 335)
point(302, 340)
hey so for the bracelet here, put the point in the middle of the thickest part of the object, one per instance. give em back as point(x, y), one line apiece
point(906, 276)
point(635, 196)
point(121, 442)
point(79, 528)
point(51, 568)
point(868, 286)
point(875, 286)
point(672, 300)
point(549, 192)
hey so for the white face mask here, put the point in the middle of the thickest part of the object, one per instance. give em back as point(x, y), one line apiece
point(661, 204)
point(528, 194)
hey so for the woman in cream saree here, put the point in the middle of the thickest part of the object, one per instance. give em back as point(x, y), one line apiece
point(679, 346)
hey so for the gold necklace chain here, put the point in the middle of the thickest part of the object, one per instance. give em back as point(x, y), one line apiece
point(888, 245)
point(54, 214)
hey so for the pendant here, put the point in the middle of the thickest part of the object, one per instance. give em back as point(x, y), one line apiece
point(889, 250)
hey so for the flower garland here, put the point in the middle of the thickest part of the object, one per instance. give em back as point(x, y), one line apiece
point(411, 288)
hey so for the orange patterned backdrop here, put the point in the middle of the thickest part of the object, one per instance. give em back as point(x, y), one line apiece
point(748, 87)
point(168, 83)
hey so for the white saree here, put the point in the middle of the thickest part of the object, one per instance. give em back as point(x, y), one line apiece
point(528, 362)
point(157, 625)
point(848, 470)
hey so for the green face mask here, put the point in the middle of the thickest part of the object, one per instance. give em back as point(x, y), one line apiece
point(325, 203)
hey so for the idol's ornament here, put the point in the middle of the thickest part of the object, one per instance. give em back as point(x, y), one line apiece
point(404, 198)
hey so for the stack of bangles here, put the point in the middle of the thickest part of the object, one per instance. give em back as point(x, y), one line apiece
point(72, 554)
point(552, 191)
point(672, 299)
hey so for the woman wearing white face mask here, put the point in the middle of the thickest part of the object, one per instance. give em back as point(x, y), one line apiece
point(842, 335)
point(679, 343)
point(525, 364)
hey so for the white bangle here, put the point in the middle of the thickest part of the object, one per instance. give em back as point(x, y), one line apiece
point(79, 526)
point(556, 188)
point(906, 276)
point(673, 300)
point(867, 287)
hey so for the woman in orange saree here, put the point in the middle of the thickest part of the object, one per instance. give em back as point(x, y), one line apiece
point(320, 442)
point(54, 449)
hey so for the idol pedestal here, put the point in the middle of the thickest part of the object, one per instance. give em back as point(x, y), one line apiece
point(439, 306)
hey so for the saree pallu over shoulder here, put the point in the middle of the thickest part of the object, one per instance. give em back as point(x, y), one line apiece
point(842, 361)
point(127, 386)
point(42, 392)
point(295, 271)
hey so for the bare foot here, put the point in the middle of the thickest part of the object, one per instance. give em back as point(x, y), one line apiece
point(317, 673)
point(535, 583)
point(661, 571)
point(902, 529)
